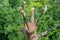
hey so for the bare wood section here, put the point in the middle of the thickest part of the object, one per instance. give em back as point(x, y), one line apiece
point(32, 15)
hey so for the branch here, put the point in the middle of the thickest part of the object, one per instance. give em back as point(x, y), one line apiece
point(39, 18)
point(32, 15)
point(43, 11)
point(23, 14)
point(23, 3)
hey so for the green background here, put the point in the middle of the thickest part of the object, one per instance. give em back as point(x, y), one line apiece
point(11, 20)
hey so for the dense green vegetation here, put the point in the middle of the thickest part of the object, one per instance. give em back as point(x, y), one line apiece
point(11, 20)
